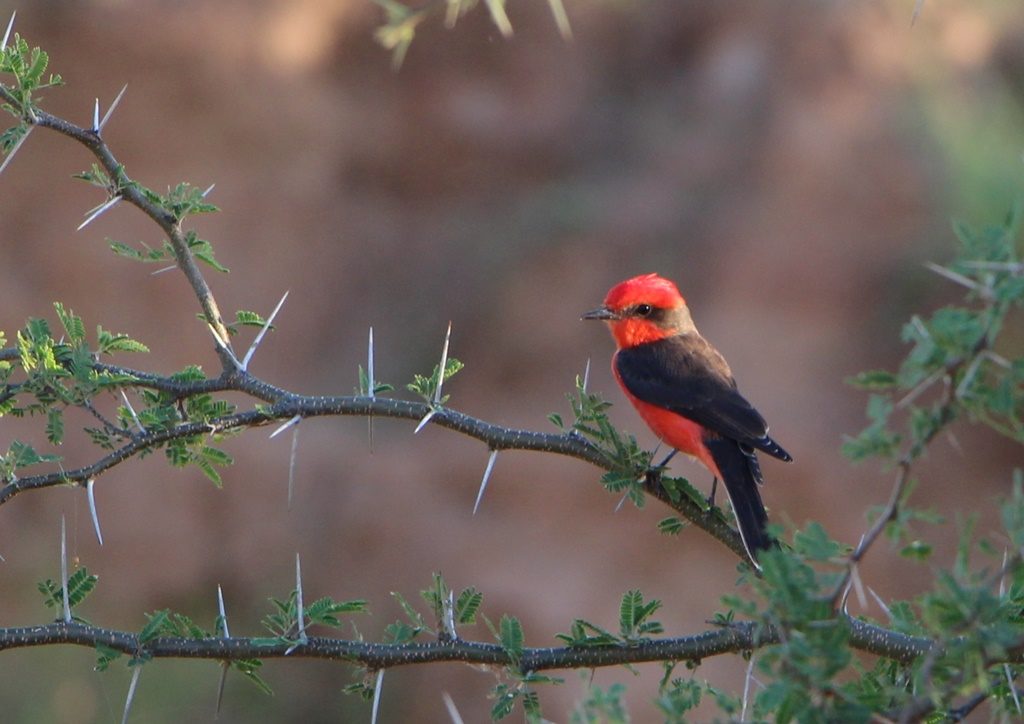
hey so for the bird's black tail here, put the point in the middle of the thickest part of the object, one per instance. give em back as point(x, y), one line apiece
point(741, 474)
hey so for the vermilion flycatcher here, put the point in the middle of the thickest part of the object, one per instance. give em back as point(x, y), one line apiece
point(683, 389)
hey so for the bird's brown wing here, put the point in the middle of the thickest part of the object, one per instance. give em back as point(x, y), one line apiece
point(688, 376)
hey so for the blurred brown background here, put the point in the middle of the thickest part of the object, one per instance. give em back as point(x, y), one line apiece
point(790, 165)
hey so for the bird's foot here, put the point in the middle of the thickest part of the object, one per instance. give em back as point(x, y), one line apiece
point(711, 497)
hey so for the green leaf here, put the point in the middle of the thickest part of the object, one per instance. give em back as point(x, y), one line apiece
point(109, 343)
point(467, 605)
point(55, 425)
point(74, 329)
point(510, 636)
point(250, 669)
point(154, 626)
point(671, 525)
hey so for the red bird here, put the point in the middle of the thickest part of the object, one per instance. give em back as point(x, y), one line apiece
point(685, 392)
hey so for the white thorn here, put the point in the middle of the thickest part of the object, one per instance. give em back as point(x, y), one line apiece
point(96, 116)
point(10, 154)
point(223, 612)
point(291, 465)
point(746, 687)
point(110, 111)
point(223, 344)
point(369, 366)
point(162, 270)
point(448, 615)
point(450, 706)
point(300, 614)
point(221, 683)
point(952, 276)
point(880, 602)
point(263, 331)
point(561, 19)
point(370, 384)
point(1013, 689)
point(586, 375)
point(91, 493)
point(858, 586)
point(7, 34)
point(424, 421)
point(136, 670)
point(444, 363)
point(917, 11)
point(1002, 578)
point(94, 213)
point(131, 411)
point(64, 570)
point(208, 190)
point(292, 421)
point(483, 482)
point(224, 666)
point(377, 686)
point(622, 501)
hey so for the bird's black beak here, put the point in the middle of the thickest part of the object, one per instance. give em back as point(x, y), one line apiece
point(602, 313)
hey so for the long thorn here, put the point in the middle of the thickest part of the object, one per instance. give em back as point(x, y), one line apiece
point(450, 706)
point(880, 602)
point(561, 19)
point(208, 188)
point(14, 150)
point(136, 670)
point(91, 494)
point(1013, 689)
point(444, 364)
point(262, 332)
point(223, 344)
point(110, 111)
point(223, 612)
point(586, 375)
point(377, 686)
point(483, 482)
point(300, 614)
point(97, 211)
point(291, 465)
point(225, 665)
point(7, 34)
point(131, 411)
point(221, 683)
point(284, 426)
point(746, 687)
point(96, 116)
point(64, 570)
point(424, 421)
point(370, 388)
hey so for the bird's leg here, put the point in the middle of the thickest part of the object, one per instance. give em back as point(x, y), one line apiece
point(653, 477)
point(711, 498)
point(668, 457)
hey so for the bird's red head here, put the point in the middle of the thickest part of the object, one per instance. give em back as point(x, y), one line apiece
point(643, 309)
point(644, 289)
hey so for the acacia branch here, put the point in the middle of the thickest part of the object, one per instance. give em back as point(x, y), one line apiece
point(734, 638)
point(131, 192)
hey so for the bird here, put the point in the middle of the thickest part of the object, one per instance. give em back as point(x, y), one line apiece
point(684, 390)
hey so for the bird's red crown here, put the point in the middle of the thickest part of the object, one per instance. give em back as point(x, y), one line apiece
point(644, 289)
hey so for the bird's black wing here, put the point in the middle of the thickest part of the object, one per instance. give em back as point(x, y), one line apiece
point(688, 376)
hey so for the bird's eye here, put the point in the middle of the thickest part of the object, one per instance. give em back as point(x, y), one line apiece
point(643, 309)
